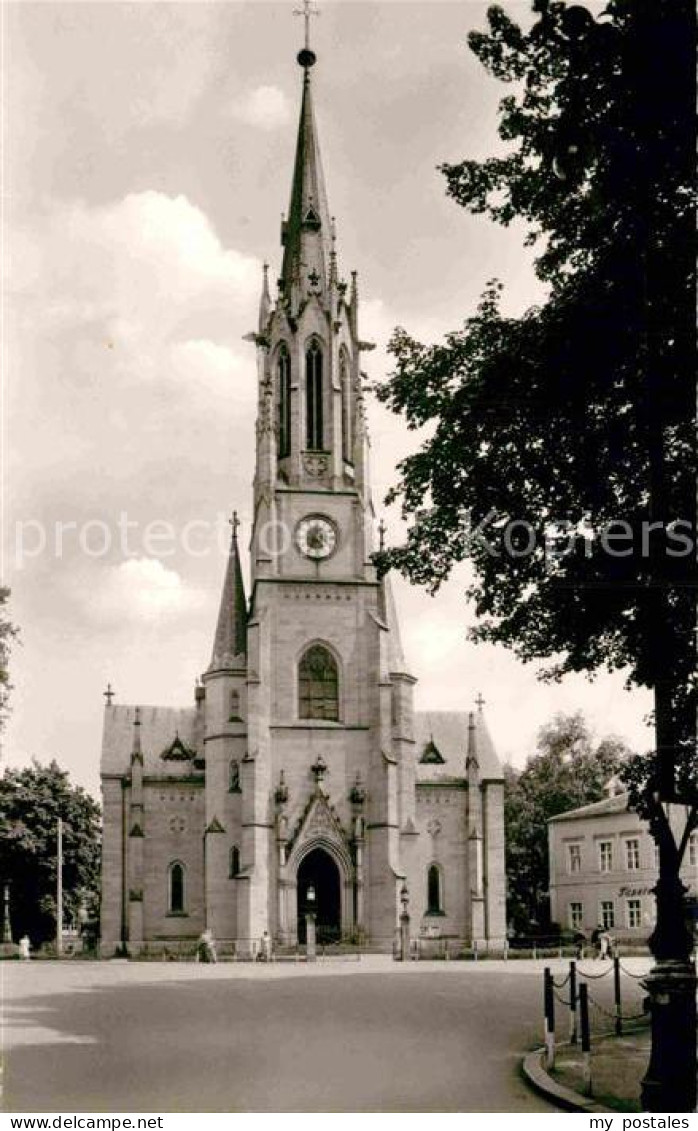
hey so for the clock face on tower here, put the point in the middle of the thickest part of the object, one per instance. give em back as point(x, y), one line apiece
point(316, 537)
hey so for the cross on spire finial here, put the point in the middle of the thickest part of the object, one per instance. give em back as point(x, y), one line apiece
point(109, 694)
point(234, 521)
point(309, 9)
point(319, 769)
point(479, 702)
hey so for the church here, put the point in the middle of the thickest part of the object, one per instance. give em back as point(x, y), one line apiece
point(302, 778)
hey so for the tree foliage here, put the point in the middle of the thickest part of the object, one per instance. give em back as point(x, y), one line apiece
point(558, 448)
point(567, 771)
point(7, 634)
point(31, 802)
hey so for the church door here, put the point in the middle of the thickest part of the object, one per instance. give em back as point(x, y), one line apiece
point(318, 870)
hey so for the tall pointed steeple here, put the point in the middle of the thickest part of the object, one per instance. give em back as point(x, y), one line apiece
point(306, 233)
point(230, 642)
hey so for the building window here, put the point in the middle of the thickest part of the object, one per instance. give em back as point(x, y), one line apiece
point(575, 917)
point(234, 707)
point(605, 855)
point(234, 862)
point(434, 891)
point(313, 396)
point(283, 402)
point(632, 855)
point(608, 917)
point(234, 778)
point(574, 857)
point(693, 850)
point(176, 889)
point(655, 849)
point(345, 385)
point(318, 685)
point(633, 909)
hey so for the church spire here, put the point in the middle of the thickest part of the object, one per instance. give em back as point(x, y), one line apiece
point(306, 234)
point(230, 642)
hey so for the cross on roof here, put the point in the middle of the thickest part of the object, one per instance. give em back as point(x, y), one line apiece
point(309, 9)
point(234, 521)
point(109, 694)
point(479, 702)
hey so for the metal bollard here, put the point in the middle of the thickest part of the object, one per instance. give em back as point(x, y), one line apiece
point(573, 1002)
point(586, 1037)
point(549, 1017)
point(617, 997)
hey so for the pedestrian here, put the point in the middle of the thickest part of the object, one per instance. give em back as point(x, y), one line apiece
point(596, 940)
point(24, 948)
point(579, 941)
point(265, 947)
point(604, 944)
point(206, 948)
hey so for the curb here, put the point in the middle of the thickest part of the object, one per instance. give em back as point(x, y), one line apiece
point(535, 1073)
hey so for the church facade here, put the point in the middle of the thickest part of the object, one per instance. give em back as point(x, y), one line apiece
point(302, 777)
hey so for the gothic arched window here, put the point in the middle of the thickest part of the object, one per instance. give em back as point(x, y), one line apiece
point(313, 396)
point(345, 384)
point(434, 891)
point(283, 401)
point(176, 888)
point(234, 777)
point(234, 707)
point(234, 862)
point(318, 685)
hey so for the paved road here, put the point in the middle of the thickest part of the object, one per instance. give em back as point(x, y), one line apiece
point(339, 1036)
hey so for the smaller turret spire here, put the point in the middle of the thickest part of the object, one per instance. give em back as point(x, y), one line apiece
point(265, 301)
point(230, 642)
point(472, 765)
point(136, 752)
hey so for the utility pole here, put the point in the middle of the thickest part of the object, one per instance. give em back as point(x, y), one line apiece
point(59, 890)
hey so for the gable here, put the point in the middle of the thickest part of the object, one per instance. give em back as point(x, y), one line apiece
point(431, 755)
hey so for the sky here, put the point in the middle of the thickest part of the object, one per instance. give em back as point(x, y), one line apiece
point(148, 160)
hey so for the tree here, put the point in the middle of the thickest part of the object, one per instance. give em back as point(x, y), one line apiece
point(31, 802)
point(560, 451)
point(7, 632)
point(567, 771)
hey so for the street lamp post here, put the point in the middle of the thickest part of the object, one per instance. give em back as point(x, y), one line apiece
point(310, 944)
point(404, 924)
point(59, 890)
point(6, 924)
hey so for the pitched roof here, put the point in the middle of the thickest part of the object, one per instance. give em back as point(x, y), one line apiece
point(230, 641)
point(616, 804)
point(448, 731)
point(159, 729)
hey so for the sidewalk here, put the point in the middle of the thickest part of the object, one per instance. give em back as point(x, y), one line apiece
point(617, 1067)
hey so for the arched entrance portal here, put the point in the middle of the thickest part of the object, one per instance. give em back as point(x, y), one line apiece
point(319, 871)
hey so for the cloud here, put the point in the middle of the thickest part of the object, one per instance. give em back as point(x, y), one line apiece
point(137, 591)
point(127, 325)
point(266, 107)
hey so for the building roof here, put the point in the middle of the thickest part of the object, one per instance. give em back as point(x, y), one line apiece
point(448, 732)
point(230, 641)
point(616, 804)
point(160, 728)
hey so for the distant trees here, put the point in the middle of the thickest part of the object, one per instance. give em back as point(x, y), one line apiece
point(7, 632)
point(568, 770)
point(32, 800)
